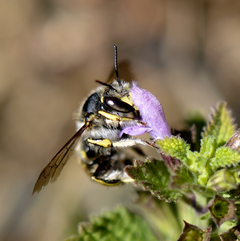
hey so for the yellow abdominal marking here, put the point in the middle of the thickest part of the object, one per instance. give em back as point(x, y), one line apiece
point(106, 183)
point(83, 154)
point(103, 143)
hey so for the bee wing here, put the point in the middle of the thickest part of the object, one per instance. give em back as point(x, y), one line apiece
point(124, 67)
point(55, 166)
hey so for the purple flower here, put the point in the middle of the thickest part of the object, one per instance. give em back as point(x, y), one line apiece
point(151, 113)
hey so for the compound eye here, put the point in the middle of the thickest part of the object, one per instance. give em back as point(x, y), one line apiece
point(118, 105)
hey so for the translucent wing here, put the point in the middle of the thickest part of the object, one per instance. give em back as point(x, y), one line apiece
point(55, 166)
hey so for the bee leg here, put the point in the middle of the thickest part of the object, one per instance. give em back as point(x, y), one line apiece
point(128, 142)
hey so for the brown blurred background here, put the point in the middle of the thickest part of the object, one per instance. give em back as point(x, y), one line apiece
point(185, 52)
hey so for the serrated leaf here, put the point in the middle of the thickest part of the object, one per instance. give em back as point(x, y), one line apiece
point(221, 125)
point(189, 135)
point(154, 176)
point(174, 147)
point(208, 146)
point(191, 232)
point(183, 178)
point(116, 225)
point(204, 177)
point(222, 210)
point(198, 162)
point(225, 157)
point(203, 190)
point(195, 161)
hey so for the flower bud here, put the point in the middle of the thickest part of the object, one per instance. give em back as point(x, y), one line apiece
point(222, 181)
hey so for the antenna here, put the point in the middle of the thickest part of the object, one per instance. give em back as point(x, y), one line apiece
point(116, 65)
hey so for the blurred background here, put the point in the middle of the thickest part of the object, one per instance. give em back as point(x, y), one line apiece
point(51, 51)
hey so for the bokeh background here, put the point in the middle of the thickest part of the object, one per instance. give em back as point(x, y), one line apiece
point(185, 52)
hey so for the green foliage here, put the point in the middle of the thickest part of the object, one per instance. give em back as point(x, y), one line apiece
point(212, 155)
point(175, 147)
point(116, 225)
point(223, 181)
point(224, 156)
point(182, 179)
point(221, 125)
point(210, 172)
point(191, 232)
point(232, 234)
point(153, 175)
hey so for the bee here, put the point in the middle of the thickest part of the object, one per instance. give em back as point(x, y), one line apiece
point(99, 140)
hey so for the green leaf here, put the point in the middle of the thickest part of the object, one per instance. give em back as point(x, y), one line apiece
point(208, 146)
point(205, 216)
point(211, 157)
point(116, 225)
point(203, 190)
point(175, 147)
point(191, 232)
point(200, 166)
point(204, 177)
point(221, 125)
point(198, 162)
point(183, 178)
point(154, 176)
point(225, 157)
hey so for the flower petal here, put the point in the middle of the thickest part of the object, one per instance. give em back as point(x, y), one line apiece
point(151, 112)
